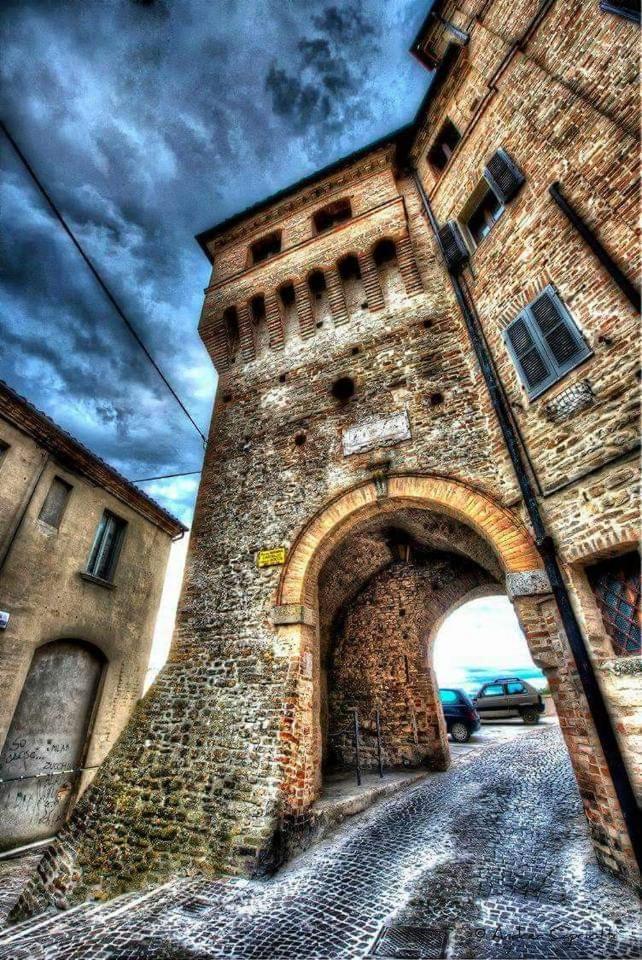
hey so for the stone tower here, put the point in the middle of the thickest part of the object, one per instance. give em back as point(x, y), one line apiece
point(356, 487)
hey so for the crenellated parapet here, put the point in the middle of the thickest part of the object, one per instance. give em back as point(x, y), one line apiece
point(324, 278)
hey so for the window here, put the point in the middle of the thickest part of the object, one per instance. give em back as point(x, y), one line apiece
point(515, 687)
point(232, 331)
point(616, 585)
point(544, 343)
point(624, 8)
point(335, 213)
point(266, 247)
point(448, 696)
point(443, 146)
point(483, 212)
point(493, 690)
point(55, 503)
point(3, 450)
point(107, 544)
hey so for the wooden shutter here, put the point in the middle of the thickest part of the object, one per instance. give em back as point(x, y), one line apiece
point(544, 342)
point(529, 358)
point(558, 330)
point(453, 245)
point(504, 176)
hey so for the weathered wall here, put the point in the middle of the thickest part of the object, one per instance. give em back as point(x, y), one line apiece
point(563, 101)
point(41, 588)
point(226, 743)
point(381, 661)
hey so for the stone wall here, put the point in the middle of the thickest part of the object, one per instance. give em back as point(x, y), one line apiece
point(381, 661)
point(227, 743)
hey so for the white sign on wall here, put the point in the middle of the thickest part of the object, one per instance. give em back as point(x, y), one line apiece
point(376, 432)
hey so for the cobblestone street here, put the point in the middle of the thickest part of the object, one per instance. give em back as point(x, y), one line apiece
point(490, 859)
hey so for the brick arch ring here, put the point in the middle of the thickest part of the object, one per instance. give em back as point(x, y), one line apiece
point(505, 533)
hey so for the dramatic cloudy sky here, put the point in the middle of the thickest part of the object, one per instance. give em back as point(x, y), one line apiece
point(148, 121)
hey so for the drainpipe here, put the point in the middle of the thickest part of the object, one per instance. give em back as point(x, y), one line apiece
point(587, 235)
point(14, 529)
point(546, 547)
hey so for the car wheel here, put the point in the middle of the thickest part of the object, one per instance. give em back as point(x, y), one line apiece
point(530, 716)
point(460, 733)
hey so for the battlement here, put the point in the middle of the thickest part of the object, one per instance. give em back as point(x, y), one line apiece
point(331, 250)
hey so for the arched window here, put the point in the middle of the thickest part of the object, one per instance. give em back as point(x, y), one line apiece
point(329, 216)
point(265, 247)
point(385, 258)
point(49, 733)
point(259, 323)
point(232, 332)
point(319, 298)
point(287, 300)
point(353, 288)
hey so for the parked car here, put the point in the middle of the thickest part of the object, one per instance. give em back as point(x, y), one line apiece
point(462, 720)
point(509, 697)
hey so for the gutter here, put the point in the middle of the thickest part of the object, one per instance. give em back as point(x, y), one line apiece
point(546, 547)
point(618, 276)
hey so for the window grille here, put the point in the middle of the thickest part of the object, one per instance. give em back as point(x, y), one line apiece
point(616, 585)
point(55, 503)
point(544, 342)
point(106, 547)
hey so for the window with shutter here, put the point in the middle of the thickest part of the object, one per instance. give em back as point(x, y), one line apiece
point(504, 176)
point(453, 245)
point(55, 503)
point(544, 343)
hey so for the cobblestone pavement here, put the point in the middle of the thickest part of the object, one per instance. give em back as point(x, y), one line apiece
point(490, 859)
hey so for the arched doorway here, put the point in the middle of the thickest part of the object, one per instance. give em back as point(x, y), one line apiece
point(47, 739)
point(482, 545)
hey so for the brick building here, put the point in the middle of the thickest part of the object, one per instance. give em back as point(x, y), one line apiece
point(82, 563)
point(428, 391)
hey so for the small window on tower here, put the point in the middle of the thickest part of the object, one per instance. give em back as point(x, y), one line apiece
point(335, 213)
point(266, 247)
point(443, 146)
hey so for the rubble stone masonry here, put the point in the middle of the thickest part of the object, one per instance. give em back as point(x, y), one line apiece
point(351, 422)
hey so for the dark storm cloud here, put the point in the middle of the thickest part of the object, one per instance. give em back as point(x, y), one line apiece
point(149, 120)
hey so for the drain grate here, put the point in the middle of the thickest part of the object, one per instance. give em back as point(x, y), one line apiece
point(196, 907)
point(410, 943)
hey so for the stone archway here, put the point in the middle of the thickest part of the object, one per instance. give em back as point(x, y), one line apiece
point(480, 530)
point(296, 617)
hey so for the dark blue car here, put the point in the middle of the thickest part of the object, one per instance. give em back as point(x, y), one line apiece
point(462, 720)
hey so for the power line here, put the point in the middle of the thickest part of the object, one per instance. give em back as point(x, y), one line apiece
point(167, 476)
point(98, 278)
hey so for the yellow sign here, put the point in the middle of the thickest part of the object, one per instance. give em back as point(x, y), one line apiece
point(271, 558)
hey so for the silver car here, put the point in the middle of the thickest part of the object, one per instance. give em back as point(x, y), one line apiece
point(509, 697)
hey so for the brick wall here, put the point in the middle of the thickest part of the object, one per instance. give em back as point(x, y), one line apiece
point(228, 740)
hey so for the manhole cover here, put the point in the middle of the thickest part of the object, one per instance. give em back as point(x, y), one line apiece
point(420, 943)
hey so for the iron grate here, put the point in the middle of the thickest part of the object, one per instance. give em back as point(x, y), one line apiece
point(410, 943)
